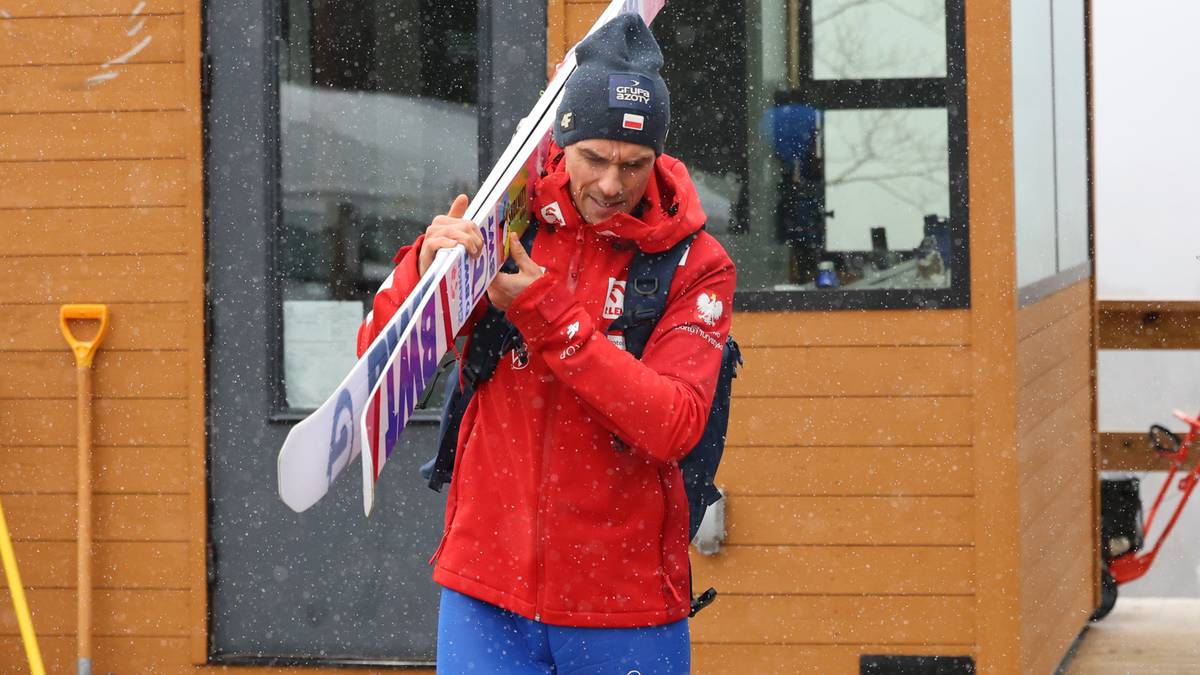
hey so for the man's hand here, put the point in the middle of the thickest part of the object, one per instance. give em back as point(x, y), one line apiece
point(449, 231)
point(507, 287)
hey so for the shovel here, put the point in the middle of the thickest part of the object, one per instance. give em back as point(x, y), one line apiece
point(84, 351)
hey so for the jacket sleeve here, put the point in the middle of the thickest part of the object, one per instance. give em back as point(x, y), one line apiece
point(391, 294)
point(658, 405)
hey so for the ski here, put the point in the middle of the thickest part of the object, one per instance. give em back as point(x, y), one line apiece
point(378, 396)
point(499, 207)
point(323, 444)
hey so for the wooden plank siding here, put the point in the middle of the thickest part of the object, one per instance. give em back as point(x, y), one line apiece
point(94, 136)
point(101, 201)
point(115, 470)
point(845, 425)
point(25, 9)
point(772, 659)
point(1057, 478)
point(103, 40)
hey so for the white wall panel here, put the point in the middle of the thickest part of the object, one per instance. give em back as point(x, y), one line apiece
point(1137, 388)
point(1033, 141)
point(1070, 132)
point(1146, 66)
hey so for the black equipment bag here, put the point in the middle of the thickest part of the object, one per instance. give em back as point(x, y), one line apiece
point(1120, 517)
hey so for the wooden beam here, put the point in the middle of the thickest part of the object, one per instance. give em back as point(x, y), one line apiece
point(1131, 451)
point(1149, 325)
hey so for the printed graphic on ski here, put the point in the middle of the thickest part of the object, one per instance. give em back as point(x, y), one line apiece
point(439, 318)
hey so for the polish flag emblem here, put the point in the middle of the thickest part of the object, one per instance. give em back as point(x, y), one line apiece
point(635, 122)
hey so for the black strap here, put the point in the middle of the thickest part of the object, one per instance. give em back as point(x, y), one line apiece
point(703, 600)
point(649, 280)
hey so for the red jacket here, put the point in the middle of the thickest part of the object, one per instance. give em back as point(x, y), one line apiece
point(544, 516)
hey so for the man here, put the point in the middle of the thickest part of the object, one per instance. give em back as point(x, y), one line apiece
point(565, 548)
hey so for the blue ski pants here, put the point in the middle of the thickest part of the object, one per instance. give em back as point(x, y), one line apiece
point(477, 637)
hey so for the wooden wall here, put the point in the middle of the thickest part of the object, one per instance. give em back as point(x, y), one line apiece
point(850, 477)
point(100, 201)
point(1057, 474)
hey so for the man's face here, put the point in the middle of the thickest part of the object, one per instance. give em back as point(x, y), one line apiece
point(607, 177)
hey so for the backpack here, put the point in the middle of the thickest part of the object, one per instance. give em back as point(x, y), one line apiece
point(648, 283)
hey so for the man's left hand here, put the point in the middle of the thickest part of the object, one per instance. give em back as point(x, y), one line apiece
point(506, 287)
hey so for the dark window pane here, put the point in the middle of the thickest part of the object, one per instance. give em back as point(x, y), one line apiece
point(379, 132)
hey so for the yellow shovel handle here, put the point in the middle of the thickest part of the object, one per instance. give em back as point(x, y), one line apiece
point(84, 349)
point(18, 595)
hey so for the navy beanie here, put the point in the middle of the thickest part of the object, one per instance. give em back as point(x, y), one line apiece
point(616, 92)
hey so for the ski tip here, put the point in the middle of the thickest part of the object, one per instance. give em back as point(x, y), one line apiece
point(299, 506)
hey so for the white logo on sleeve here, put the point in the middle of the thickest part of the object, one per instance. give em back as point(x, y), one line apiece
point(709, 308)
point(572, 331)
point(552, 214)
point(614, 302)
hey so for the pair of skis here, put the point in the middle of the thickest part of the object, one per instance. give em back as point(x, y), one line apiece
point(366, 413)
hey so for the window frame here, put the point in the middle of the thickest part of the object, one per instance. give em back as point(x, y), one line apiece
point(949, 93)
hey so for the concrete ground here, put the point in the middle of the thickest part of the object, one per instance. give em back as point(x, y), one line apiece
point(1152, 636)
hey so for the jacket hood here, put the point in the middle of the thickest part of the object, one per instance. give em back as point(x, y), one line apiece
point(670, 210)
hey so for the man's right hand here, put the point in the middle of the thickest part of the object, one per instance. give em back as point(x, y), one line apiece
point(449, 231)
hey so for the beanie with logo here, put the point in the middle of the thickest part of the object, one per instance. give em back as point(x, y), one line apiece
point(616, 92)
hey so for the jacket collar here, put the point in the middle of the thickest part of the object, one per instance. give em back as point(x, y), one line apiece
point(669, 211)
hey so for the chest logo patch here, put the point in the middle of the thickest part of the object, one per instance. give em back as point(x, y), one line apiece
point(709, 308)
point(552, 214)
point(614, 302)
point(572, 330)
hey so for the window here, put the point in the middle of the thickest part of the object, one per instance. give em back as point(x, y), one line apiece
point(827, 139)
point(379, 128)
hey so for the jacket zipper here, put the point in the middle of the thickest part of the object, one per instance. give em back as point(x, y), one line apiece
point(547, 443)
point(573, 267)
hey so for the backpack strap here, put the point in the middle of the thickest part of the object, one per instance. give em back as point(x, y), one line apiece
point(646, 288)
